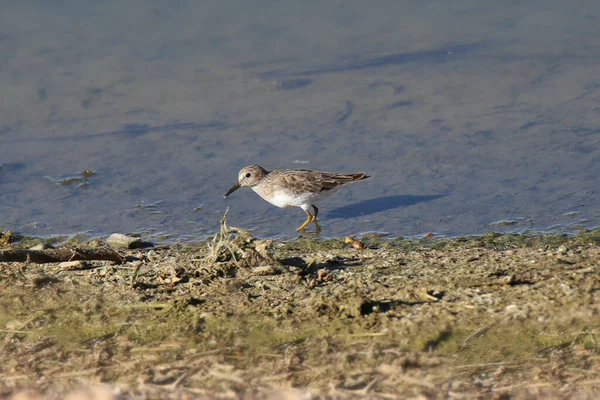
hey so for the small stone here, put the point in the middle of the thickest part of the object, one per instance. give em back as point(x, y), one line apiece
point(13, 324)
point(41, 246)
point(265, 270)
point(123, 241)
point(357, 244)
point(323, 275)
point(562, 249)
point(94, 244)
point(71, 265)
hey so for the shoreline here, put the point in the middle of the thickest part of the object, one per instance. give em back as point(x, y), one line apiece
point(497, 315)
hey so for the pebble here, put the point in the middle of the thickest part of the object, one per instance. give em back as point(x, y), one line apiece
point(41, 246)
point(357, 244)
point(123, 241)
point(562, 249)
point(265, 270)
point(71, 265)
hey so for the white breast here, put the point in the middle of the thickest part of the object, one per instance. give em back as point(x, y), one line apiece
point(285, 199)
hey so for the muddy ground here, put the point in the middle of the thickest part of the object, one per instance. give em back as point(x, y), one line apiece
point(498, 316)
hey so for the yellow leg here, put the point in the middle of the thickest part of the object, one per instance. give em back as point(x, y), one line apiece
point(309, 219)
point(314, 218)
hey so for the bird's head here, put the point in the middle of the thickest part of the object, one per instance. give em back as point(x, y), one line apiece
point(248, 176)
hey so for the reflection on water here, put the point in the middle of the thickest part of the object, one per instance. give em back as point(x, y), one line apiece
point(464, 114)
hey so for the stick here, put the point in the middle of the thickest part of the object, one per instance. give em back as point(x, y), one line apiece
point(60, 255)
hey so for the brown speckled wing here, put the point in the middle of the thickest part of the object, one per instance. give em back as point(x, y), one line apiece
point(296, 182)
point(302, 181)
point(331, 181)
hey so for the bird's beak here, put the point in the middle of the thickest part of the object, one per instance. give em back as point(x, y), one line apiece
point(233, 189)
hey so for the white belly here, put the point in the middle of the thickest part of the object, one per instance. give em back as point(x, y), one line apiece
point(284, 199)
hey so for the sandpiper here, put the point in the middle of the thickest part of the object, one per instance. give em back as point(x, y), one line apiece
point(293, 187)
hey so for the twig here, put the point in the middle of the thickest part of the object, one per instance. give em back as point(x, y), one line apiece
point(483, 365)
point(225, 376)
point(367, 334)
point(480, 332)
point(15, 331)
point(60, 255)
point(135, 274)
point(366, 389)
point(484, 329)
point(178, 381)
point(590, 382)
point(155, 306)
point(74, 374)
point(521, 385)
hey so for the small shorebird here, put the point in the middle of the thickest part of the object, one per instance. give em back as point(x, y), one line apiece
point(293, 187)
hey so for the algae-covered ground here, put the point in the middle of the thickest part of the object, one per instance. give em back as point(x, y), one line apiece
point(497, 316)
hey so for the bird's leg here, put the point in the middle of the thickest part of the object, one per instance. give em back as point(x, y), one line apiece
point(309, 219)
point(314, 218)
point(317, 226)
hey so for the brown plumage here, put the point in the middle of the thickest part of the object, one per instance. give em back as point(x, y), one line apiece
point(294, 187)
point(299, 181)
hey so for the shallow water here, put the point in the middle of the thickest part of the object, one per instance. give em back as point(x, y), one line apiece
point(469, 117)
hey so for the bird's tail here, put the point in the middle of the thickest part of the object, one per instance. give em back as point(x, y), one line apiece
point(358, 177)
point(347, 178)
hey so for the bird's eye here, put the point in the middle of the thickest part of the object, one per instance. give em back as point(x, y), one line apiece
point(248, 174)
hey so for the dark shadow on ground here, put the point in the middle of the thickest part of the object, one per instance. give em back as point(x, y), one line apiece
point(438, 55)
point(379, 204)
